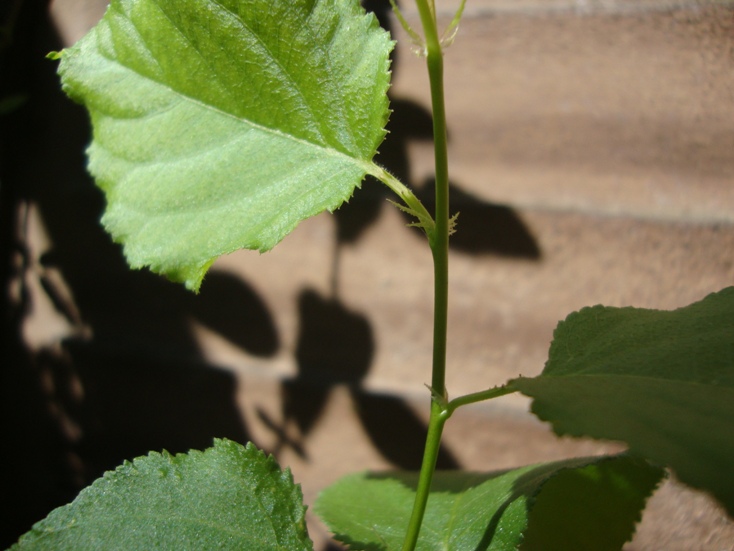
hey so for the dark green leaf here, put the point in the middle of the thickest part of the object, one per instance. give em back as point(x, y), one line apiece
point(588, 503)
point(221, 124)
point(593, 507)
point(227, 497)
point(663, 382)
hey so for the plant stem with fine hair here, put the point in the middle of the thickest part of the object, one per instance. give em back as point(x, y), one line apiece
point(439, 247)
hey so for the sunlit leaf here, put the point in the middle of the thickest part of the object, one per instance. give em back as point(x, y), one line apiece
point(221, 124)
point(227, 497)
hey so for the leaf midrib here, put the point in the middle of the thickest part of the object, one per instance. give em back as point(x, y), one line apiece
point(246, 27)
point(329, 149)
point(366, 166)
point(315, 43)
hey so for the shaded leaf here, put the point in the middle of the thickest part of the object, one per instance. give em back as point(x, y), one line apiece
point(663, 382)
point(564, 504)
point(221, 124)
point(227, 497)
point(592, 507)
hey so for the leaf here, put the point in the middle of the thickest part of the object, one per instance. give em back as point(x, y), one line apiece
point(227, 497)
point(221, 124)
point(663, 382)
point(588, 503)
point(593, 507)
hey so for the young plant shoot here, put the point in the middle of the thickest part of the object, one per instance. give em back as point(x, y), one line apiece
point(220, 125)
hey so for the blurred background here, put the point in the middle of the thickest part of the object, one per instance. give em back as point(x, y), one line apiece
point(592, 158)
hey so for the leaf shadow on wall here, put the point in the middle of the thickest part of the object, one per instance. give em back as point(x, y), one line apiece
point(146, 384)
point(483, 227)
point(336, 347)
point(146, 395)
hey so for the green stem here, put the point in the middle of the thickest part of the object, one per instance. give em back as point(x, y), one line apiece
point(439, 416)
point(440, 241)
point(475, 397)
point(441, 411)
point(440, 249)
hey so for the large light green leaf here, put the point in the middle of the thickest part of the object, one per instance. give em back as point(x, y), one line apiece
point(221, 124)
point(663, 382)
point(227, 497)
point(587, 503)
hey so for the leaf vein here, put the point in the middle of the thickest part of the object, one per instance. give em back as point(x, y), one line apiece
point(283, 70)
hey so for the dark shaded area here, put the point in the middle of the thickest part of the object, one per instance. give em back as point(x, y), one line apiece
point(360, 212)
point(483, 227)
point(32, 479)
point(136, 403)
point(231, 308)
point(35, 476)
point(397, 431)
point(135, 382)
point(304, 401)
point(335, 346)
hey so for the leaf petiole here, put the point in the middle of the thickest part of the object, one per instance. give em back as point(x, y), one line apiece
point(415, 38)
point(447, 38)
point(412, 205)
point(476, 397)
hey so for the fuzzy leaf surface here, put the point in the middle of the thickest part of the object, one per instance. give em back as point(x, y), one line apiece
point(583, 503)
point(227, 497)
point(661, 381)
point(221, 124)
